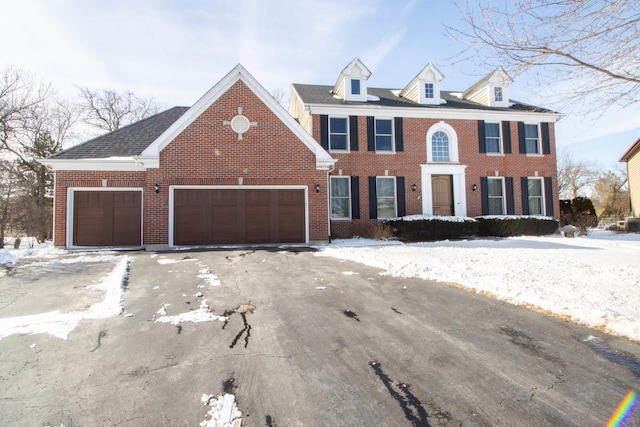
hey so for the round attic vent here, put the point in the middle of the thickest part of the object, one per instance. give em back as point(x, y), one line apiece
point(240, 124)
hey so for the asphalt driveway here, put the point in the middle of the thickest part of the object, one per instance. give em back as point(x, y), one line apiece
point(329, 343)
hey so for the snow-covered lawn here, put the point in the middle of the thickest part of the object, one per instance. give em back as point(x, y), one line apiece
point(592, 280)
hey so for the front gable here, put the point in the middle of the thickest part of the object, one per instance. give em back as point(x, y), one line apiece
point(234, 119)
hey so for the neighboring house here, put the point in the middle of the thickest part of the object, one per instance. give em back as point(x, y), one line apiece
point(421, 150)
point(632, 158)
point(234, 168)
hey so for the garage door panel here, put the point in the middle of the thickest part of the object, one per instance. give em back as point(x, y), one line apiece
point(107, 218)
point(258, 224)
point(224, 224)
point(238, 216)
point(191, 229)
point(126, 226)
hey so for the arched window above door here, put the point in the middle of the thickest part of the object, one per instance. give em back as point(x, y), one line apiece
point(442, 144)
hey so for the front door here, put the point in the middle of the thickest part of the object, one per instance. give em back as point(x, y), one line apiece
point(442, 194)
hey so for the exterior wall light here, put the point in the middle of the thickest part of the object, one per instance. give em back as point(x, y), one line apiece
point(414, 187)
point(317, 188)
point(157, 188)
point(474, 187)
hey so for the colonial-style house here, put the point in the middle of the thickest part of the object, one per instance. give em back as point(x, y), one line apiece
point(418, 149)
point(237, 168)
point(632, 159)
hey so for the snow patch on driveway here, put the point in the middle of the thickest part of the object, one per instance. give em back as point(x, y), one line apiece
point(60, 324)
point(224, 411)
point(203, 314)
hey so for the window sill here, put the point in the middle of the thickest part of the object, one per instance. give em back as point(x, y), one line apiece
point(495, 154)
point(339, 151)
point(385, 152)
point(534, 155)
point(341, 219)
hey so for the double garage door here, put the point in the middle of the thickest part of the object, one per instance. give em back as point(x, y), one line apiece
point(238, 216)
point(200, 217)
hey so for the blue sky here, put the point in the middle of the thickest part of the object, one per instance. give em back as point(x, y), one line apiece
point(176, 50)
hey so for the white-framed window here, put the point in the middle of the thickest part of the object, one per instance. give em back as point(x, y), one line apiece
point(535, 191)
point(428, 90)
point(355, 86)
point(497, 94)
point(434, 153)
point(338, 134)
point(386, 197)
point(493, 141)
point(384, 134)
point(531, 139)
point(495, 196)
point(340, 197)
point(440, 147)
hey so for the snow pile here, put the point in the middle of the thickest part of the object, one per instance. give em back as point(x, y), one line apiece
point(9, 255)
point(61, 324)
point(203, 314)
point(224, 411)
point(592, 280)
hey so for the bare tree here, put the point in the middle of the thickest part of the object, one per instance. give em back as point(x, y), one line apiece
point(282, 97)
point(574, 174)
point(610, 194)
point(34, 124)
point(593, 45)
point(109, 110)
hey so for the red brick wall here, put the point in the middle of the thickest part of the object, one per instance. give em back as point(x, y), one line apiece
point(365, 163)
point(89, 179)
point(209, 153)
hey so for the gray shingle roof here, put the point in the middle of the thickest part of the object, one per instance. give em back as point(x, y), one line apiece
point(320, 94)
point(130, 140)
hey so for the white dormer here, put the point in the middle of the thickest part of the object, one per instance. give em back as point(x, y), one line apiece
point(492, 90)
point(352, 82)
point(425, 87)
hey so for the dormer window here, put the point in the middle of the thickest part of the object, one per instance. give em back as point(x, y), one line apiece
point(355, 86)
point(428, 90)
point(352, 82)
point(425, 87)
point(492, 90)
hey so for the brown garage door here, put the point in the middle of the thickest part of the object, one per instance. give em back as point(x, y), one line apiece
point(225, 216)
point(107, 218)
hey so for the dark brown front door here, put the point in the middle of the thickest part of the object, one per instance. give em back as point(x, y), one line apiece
point(242, 216)
point(107, 218)
point(441, 190)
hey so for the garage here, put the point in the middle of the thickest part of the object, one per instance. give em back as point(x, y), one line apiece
point(107, 218)
point(215, 216)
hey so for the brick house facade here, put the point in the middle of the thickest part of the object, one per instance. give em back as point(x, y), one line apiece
point(419, 150)
point(234, 168)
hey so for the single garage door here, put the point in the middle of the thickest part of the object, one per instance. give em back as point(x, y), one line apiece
point(107, 218)
point(238, 216)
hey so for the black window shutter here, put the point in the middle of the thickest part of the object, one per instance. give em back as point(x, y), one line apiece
point(506, 137)
point(481, 137)
point(324, 131)
point(508, 183)
point(355, 197)
point(373, 198)
point(524, 188)
point(484, 193)
point(400, 196)
point(371, 136)
point(523, 149)
point(399, 134)
point(546, 143)
point(548, 196)
point(353, 133)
